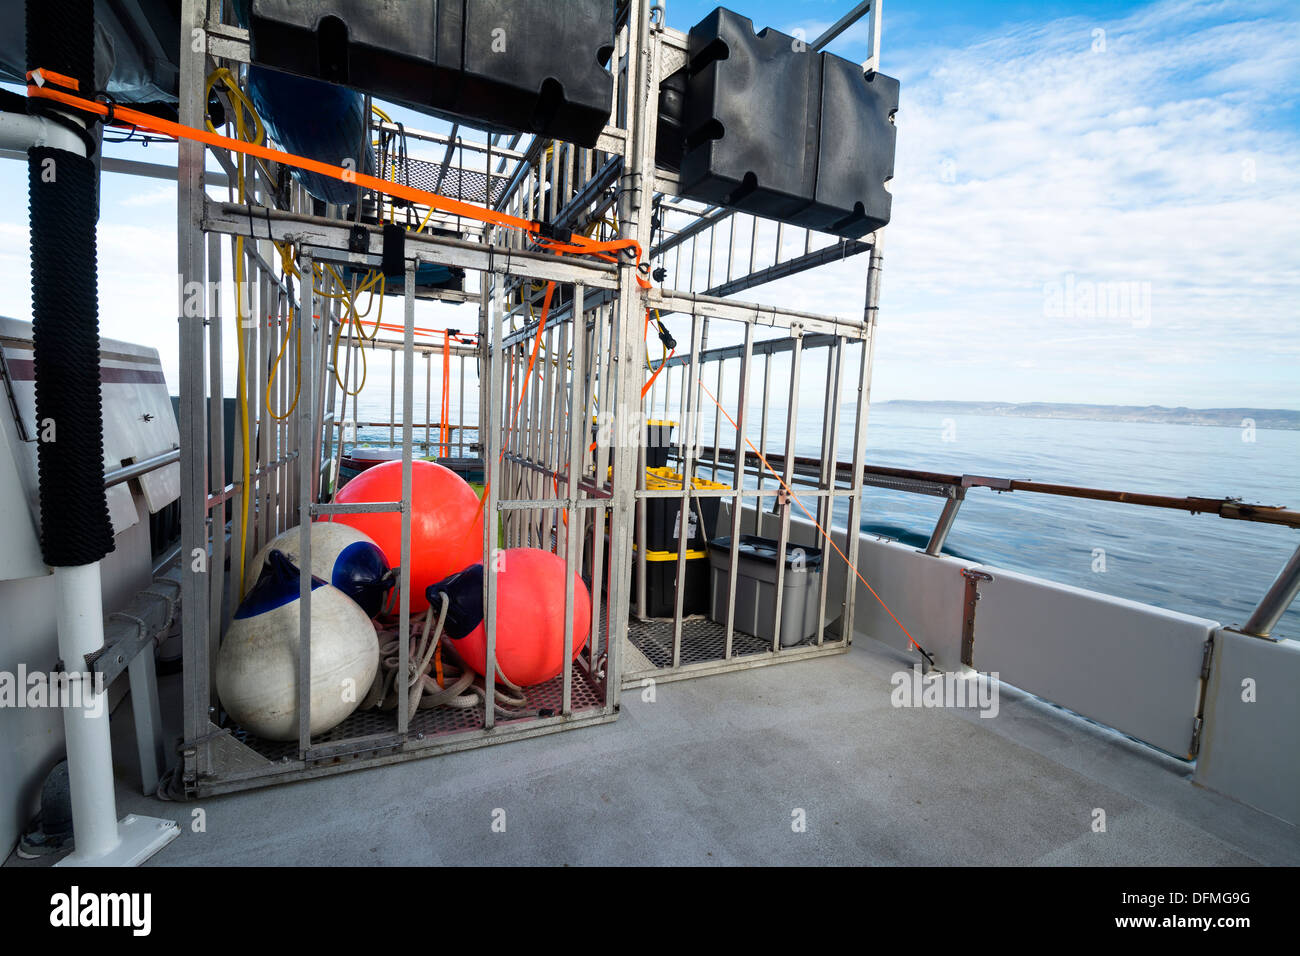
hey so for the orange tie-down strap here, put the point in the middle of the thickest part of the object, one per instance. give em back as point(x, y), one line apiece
point(41, 85)
point(445, 428)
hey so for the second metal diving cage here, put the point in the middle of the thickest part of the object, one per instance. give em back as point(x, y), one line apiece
point(563, 457)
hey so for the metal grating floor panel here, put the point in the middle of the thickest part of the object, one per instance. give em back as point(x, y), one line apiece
point(703, 640)
point(440, 720)
point(467, 184)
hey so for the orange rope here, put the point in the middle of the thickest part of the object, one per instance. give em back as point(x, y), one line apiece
point(650, 384)
point(790, 492)
point(523, 390)
point(461, 338)
point(532, 359)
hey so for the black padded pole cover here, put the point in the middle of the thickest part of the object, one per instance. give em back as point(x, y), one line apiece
point(63, 196)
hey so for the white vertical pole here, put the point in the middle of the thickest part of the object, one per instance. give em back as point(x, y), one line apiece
point(79, 615)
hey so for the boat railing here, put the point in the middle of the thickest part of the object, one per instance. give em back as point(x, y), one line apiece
point(953, 488)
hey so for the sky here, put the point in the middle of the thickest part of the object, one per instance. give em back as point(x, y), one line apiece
point(1093, 202)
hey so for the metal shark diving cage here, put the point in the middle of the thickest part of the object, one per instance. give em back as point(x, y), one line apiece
point(552, 385)
point(748, 454)
point(751, 411)
point(285, 470)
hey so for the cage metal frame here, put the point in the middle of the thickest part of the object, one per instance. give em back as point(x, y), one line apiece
point(539, 479)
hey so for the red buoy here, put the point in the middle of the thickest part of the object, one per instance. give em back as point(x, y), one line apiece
point(530, 618)
point(446, 521)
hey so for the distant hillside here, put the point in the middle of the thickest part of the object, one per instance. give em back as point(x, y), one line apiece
point(1229, 417)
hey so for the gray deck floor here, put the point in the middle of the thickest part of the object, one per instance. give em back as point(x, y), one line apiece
point(714, 770)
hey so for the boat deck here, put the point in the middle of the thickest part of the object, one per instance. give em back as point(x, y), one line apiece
point(713, 772)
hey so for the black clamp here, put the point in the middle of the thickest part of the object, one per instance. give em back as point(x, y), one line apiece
point(110, 104)
point(216, 111)
point(359, 239)
point(669, 342)
point(394, 264)
point(548, 230)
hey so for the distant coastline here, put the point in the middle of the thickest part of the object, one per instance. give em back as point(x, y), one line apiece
point(1280, 418)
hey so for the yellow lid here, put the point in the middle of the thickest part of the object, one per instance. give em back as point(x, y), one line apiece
point(661, 478)
point(672, 555)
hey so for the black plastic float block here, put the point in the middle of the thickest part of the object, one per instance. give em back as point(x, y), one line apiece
point(855, 150)
point(750, 118)
point(534, 66)
point(770, 128)
point(385, 48)
point(540, 66)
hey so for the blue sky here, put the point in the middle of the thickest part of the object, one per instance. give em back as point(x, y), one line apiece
point(1045, 150)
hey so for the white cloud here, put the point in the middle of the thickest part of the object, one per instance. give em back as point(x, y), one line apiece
point(1027, 157)
point(164, 195)
point(1159, 161)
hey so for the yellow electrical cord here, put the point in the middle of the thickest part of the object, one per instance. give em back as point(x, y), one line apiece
point(334, 360)
point(319, 274)
point(270, 382)
point(354, 319)
point(286, 259)
point(351, 300)
point(286, 263)
point(425, 220)
point(648, 366)
point(393, 166)
point(243, 108)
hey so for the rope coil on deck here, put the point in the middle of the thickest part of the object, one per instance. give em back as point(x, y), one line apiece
point(452, 683)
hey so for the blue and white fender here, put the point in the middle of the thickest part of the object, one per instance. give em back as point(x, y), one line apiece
point(340, 555)
point(257, 666)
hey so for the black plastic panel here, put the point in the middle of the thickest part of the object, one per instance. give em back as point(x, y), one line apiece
point(772, 129)
point(750, 118)
point(392, 50)
point(538, 66)
point(855, 153)
point(670, 141)
point(533, 66)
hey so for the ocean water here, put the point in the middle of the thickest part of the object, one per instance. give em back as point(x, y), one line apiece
point(1196, 564)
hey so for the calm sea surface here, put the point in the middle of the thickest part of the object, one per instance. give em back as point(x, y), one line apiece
point(1198, 564)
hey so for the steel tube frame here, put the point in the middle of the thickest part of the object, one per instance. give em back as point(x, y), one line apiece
point(557, 446)
point(947, 517)
point(536, 469)
point(1276, 600)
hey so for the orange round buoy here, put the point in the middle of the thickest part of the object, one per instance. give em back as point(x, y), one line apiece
point(530, 618)
point(446, 522)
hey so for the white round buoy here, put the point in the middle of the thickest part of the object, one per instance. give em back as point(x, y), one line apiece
point(340, 555)
point(257, 666)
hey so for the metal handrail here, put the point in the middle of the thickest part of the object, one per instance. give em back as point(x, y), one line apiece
point(1265, 617)
point(947, 485)
point(139, 468)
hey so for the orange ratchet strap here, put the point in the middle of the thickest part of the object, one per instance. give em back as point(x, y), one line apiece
point(39, 86)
